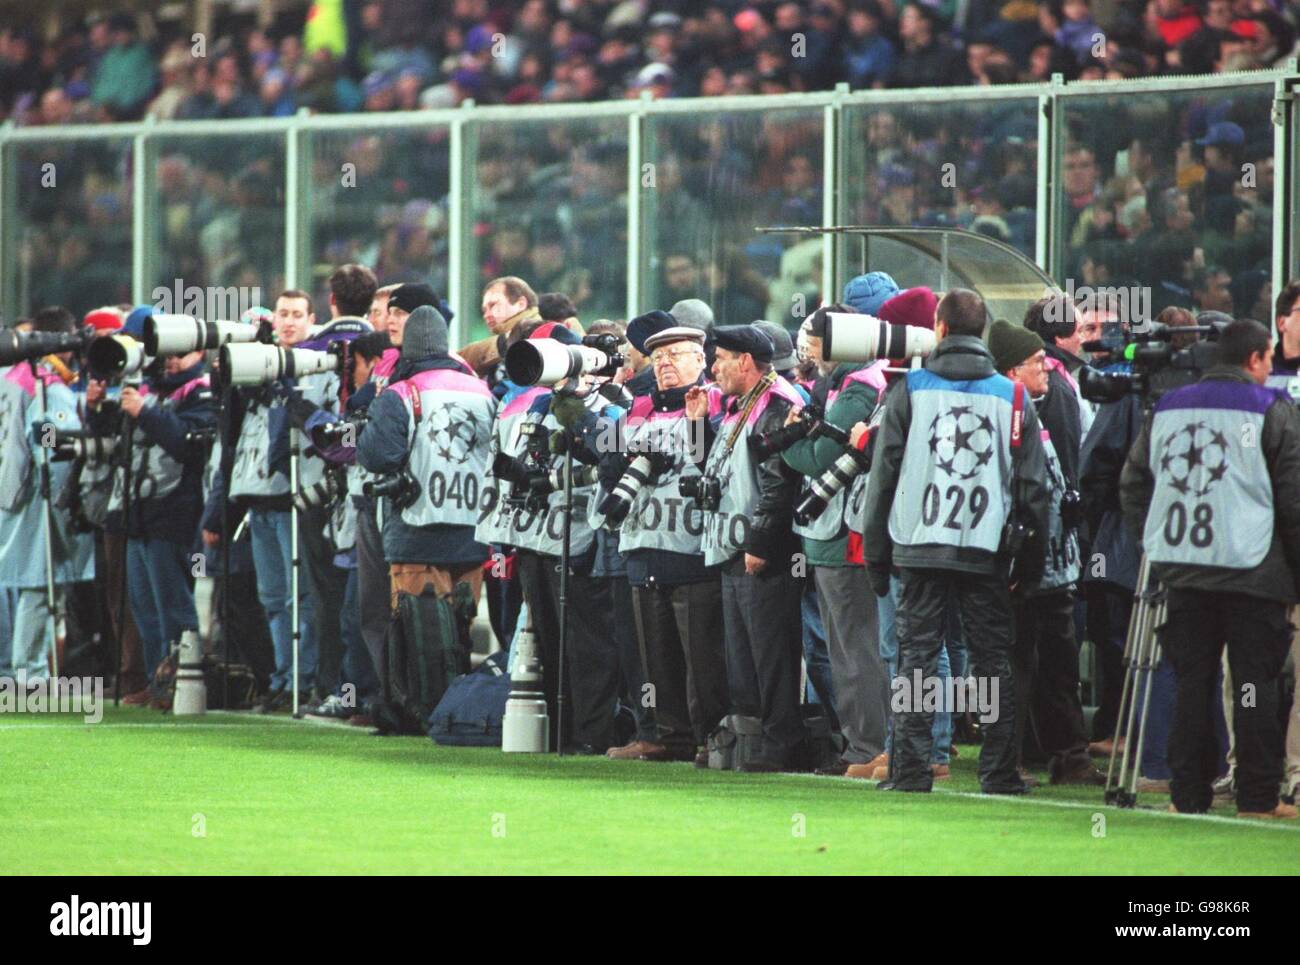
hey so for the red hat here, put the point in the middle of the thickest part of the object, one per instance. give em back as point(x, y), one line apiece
point(106, 319)
point(914, 306)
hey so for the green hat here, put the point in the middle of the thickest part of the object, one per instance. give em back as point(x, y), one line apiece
point(1011, 344)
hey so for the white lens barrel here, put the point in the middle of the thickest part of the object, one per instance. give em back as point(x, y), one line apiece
point(545, 361)
point(864, 338)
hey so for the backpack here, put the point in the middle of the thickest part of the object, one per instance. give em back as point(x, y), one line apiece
point(428, 647)
point(736, 740)
point(471, 711)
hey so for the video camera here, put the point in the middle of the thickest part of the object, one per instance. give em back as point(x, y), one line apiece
point(544, 361)
point(810, 425)
point(1149, 351)
point(18, 346)
point(182, 334)
point(643, 470)
point(865, 338)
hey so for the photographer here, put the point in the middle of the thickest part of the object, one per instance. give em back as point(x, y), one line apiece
point(1211, 487)
point(676, 599)
point(1046, 656)
point(848, 393)
point(955, 496)
point(748, 536)
point(259, 440)
point(23, 424)
point(432, 423)
point(169, 413)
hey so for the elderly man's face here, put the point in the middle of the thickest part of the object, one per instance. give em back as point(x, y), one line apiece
point(677, 364)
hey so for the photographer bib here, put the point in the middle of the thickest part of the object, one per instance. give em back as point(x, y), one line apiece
point(449, 439)
point(1213, 498)
point(954, 486)
point(1062, 567)
point(493, 522)
point(727, 529)
point(251, 473)
point(15, 454)
point(154, 473)
point(660, 518)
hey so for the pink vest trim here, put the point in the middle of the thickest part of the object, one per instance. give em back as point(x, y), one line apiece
point(441, 379)
point(523, 401)
point(1056, 365)
point(202, 382)
point(21, 375)
point(780, 389)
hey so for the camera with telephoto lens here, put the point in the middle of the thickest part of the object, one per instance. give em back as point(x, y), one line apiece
point(544, 361)
point(82, 445)
point(116, 358)
point(258, 364)
point(18, 347)
point(811, 424)
point(1149, 352)
point(532, 480)
point(345, 432)
point(400, 487)
point(706, 490)
point(864, 338)
point(182, 334)
point(848, 465)
point(645, 469)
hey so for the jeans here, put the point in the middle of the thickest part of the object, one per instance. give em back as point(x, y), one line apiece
point(942, 729)
point(162, 598)
point(358, 668)
point(32, 639)
point(816, 656)
point(8, 608)
point(270, 531)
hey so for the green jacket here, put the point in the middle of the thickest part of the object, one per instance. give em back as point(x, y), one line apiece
point(811, 458)
point(125, 77)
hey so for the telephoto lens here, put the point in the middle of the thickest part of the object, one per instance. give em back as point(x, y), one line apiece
point(182, 334)
point(544, 361)
point(113, 357)
point(847, 466)
point(642, 470)
point(264, 364)
point(865, 338)
point(76, 445)
point(18, 347)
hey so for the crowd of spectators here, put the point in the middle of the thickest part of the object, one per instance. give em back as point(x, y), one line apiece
point(1154, 189)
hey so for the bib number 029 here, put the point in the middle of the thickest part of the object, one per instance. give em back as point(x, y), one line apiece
point(960, 511)
point(1200, 532)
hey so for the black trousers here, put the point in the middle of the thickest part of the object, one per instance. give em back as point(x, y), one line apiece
point(631, 666)
point(1258, 635)
point(1109, 609)
point(679, 629)
point(327, 584)
point(762, 630)
point(1048, 709)
point(984, 607)
point(591, 655)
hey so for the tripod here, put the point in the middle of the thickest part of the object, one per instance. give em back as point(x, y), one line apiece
point(564, 597)
point(1141, 658)
point(127, 435)
point(51, 598)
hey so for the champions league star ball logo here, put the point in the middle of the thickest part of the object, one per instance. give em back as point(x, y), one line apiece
point(1194, 458)
point(962, 442)
point(453, 433)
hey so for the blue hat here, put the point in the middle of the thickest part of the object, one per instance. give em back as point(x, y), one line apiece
point(1224, 132)
point(744, 338)
point(643, 326)
point(868, 292)
point(134, 324)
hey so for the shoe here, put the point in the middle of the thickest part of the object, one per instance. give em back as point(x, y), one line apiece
point(272, 700)
point(952, 751)
point(941, 771)
point(835, 769)
point(1104, 748)
point(1226, 786)
point(1149, 785)
point(702, 758)
point(1008, 790)
point(140, 698)
point(1290, 795)
point(163, 703)
point(584, 750)
point(1084, 772)
point(361, 720)
point(1029, 780)
point(1285, 812)
point(906, 788)
point(865, 772)
point(636, 751)
point(331, 708)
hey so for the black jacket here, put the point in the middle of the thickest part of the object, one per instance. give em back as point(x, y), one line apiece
point(1275, 576)
point(1058, 411)
point(957, 358)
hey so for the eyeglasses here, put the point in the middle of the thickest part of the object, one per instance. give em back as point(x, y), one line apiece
point(671, 355)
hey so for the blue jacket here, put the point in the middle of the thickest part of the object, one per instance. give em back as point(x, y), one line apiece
point(382, 448)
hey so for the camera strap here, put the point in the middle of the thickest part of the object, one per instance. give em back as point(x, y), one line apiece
point(1017, 415)
point(751, 399)
point(417, 407)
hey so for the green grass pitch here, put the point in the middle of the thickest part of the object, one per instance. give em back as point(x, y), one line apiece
point(146, 793)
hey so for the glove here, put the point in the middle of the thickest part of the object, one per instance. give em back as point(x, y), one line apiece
point(878, 577)
point(300, 410)
point(568, 410)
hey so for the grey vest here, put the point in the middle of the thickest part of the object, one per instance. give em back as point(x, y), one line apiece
point(1062, 567)
point(954, 487)
point(660, 518)
point(1213, 498)
point(15, 453)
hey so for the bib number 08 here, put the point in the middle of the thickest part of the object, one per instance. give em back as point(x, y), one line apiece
point(1200, 533)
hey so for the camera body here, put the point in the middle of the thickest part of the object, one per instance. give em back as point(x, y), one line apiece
point(706, 490)
point(400, 487)
point(811, 424)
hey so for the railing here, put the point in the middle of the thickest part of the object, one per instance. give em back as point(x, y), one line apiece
point(633, 204)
